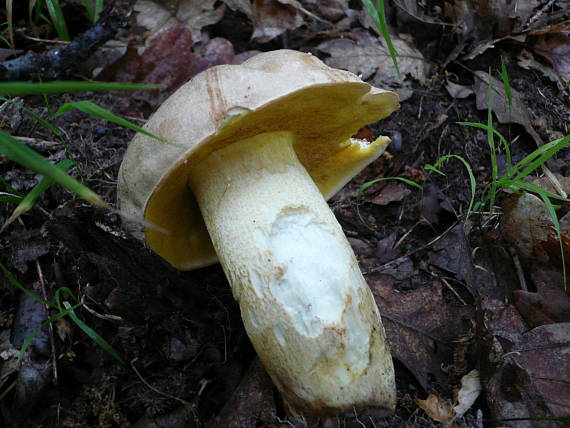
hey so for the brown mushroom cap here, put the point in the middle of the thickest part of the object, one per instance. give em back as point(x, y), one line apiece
point(281, 90)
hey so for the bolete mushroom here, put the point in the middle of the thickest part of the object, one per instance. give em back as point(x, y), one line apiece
point(256, 149)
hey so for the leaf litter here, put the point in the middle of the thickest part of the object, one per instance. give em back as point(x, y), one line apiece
point(438, 318)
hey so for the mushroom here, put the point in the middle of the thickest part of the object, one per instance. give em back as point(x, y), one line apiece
point(256, 149)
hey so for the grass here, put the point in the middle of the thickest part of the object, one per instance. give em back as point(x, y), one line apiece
point(22, 154)
point(63, 308)
point(377, 14)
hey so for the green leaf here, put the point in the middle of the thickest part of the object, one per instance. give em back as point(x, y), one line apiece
point(57, 18)
point(54, 129)
point(30, 88)
point(379, 17)
point(30, 199)
point(94, 110)
point(51, 319)
point(22, 154)
point(472, 180)
point(93, 334)
point(10, 198)
point(366, 185)
point(14, 282)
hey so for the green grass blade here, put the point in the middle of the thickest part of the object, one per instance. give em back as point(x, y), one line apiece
point(22, 154)
point(57, 18)
point(9, 198)
point(544, 156)
point(93, 335)
point(30, 88)
point(52, 128)
point(14, 282)
point(366, 185)
point(98, 9)
point(532, 157)
point(31, 198)
point(491, 142)
point(379, 17)
point(472, 180)
point(88, 4)
point(506, 83)
point(533, 188)
point(498, 134)
point(94, 110)
point(51, 319)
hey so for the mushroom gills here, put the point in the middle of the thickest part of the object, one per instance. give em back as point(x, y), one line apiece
point(305, 304)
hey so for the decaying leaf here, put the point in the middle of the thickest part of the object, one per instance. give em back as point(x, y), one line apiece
point(437, 408)
point(489, 19)
point(420, 324)
point(458, 91)
point(270, 18)
point(441, 411)
point(8, 358)
point(525, 374)
point(392, 192)
point(556, 49)
point(169, 61)
point(527, 61)
point(527, 225)
point(516, 113)
point(549, 304)
point(468, 393)
point(155, 15)
point(332, 10)
point(369, 58)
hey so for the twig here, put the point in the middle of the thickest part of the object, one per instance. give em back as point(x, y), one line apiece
point(164, 394)
point(518, 268)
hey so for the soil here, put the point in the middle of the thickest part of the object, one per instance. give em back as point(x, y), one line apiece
point(187, 358)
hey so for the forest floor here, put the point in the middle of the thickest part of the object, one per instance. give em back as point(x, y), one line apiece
point(475, 305)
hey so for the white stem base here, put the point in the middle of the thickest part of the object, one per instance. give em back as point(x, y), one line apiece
point(305, 304)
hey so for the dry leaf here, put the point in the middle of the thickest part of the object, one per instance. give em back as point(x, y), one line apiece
point(420, 324)
point(370, 59)
point(392, 192)
point(468, 393)
point(556, 49)
point(437, 408)
point(458, 91)
point(194, 14)
point(169, 61)
point(527, 61)
point(527, 225)
point(270, 18)
point(525, 374)
point(517, 113)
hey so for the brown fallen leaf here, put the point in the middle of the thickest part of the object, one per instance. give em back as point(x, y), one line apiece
point(369, 58)
point(468, 393)
point(516, 113)
point(549, 304)
point(526, 60)
point(528, 226)
point(458, 91)
point(154, 15)
point(437, 409)
point(525, 374)
point(169, 61)
point(392, 192)
point(555, 47)
point(270, 18)
point(420, 324)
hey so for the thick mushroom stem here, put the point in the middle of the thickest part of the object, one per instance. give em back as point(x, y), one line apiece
point(305, 304)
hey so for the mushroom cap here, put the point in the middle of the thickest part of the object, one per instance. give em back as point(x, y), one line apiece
point(282, 90)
